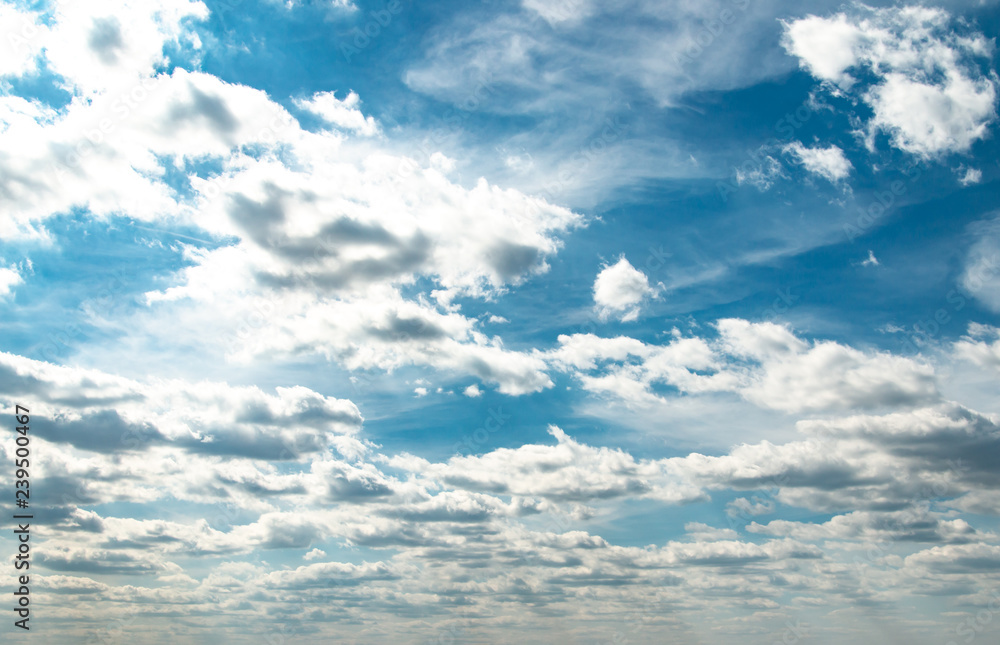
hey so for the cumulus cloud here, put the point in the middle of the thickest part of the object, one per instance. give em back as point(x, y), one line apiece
point(620, 289)
point(103, 413)
point(10, 277)
point(22, 37)
point(567, 471)
point(324, 229)
point(927, 92)
point(829, 163)
point(765, 363)
point(981, 346)
point(344, 114)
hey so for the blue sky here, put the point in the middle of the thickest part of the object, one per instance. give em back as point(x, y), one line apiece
point(575, 322)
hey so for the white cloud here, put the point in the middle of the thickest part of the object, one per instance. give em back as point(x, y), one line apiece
point(981, 273)
point(111, 46)
point(620, 289)
point(976, 347)
point(829, 163)
point(22, 37)
point(333, 228)
point(563, 11)
point(567, 471)
point(10, 277)
point(761, 176)
point(971, 176)
point(107, 414)
point(928, 95)
point(343, 114)
point(872, 261)
point(912, 525)
point(472, 391)
point(765, 363)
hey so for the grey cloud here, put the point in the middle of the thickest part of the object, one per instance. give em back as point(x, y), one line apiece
point(210, 109)
point(513, 260)
point(105, 39)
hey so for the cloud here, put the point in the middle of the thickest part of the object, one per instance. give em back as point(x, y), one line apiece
point(911, 525)
point(971, 176)
point(761, 176)
point(620, 289)
point(927, 92)
point(315, 554)
point(343, 114)
point(472, 391)
point(330, 224)
point(765, 363)
point(22, 37)
point(982, 264)
point(10, 277)
point(567, 471)
point(106, 45)
point(829, 163)
point(976, 346)
point(107, 414)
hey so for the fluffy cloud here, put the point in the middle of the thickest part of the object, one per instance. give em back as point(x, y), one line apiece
point(107, 414)
point(619, 289)
point(829, 163)
point(765, 363)
point(976, 347)
point(327, 228)
point(343, 114)
point(21, 40)
point(928, 94)
point(568, 471)
point(10, 277)
point(500, 530)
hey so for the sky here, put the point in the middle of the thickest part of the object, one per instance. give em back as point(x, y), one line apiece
point(510, 321)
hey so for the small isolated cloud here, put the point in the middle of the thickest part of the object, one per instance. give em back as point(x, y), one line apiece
point(315, 554)
point(420, 391)
point(872, 261)
point(473, 391)
point(829, 163)
point(971, 176)
point(927, 92)
point(10, 277)
point(762, 176)
point(620, 289)
point(343, 115)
